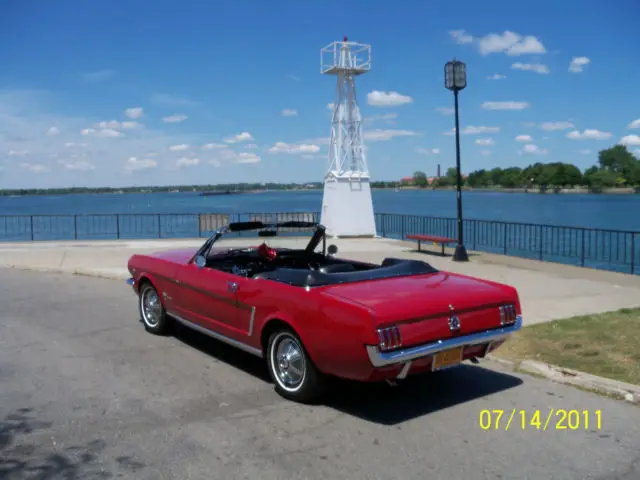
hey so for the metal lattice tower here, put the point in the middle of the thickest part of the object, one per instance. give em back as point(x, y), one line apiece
point(347, 208)
point(346, 60)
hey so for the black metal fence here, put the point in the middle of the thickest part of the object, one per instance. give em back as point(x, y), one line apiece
point(616, 250)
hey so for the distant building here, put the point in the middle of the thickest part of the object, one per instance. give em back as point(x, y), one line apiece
point(407, 181)
point(438, 172)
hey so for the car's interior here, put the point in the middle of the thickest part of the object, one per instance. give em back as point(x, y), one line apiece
point(306, 267)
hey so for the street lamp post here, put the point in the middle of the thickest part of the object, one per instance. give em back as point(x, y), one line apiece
point(455, 79)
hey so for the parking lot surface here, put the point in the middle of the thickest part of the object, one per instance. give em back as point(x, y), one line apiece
point(86, 393)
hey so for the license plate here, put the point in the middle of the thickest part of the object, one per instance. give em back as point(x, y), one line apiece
point(448, 358)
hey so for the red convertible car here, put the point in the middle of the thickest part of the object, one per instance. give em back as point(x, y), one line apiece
point(313, 315)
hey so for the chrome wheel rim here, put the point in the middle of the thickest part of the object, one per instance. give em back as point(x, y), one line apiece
point(151, 307)
point(288, 363)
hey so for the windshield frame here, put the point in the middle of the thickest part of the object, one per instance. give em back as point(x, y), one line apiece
point(318, 235)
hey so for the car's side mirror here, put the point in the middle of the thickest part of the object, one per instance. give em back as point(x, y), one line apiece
point(332, 249)
point(200, 261)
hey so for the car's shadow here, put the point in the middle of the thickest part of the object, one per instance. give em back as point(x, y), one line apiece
point(375, 402)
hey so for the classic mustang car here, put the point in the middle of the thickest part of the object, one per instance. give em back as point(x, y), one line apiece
point(313, 315)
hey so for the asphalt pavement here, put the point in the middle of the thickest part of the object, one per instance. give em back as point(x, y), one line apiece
point(86, 393)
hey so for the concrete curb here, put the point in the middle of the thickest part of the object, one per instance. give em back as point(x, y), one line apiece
point(109, 275)
point(567, 376)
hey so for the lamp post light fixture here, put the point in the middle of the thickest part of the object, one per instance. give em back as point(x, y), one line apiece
point(455, 79)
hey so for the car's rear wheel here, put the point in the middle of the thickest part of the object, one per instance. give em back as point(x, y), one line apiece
point(153, 315)
point(292, 371)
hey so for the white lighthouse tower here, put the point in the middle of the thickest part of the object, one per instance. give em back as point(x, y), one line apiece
point(347, 209)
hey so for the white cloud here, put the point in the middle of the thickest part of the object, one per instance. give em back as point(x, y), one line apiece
point(377, 98)
point(550, 126)
point(446, 110)
point(532, 149)
point(510, 43)
point(247, 158)
point(187, 162)
point(578, 63)
point(99, 75)
point(288, 112)
point(485, 153)
point(105, 132)
point(114, 124)
point(589, 134)
point(293, 149)
point(213, 146)
point(473, 130)
point(630, 140)
point(428, 151)
point(176, 118)
point(505, 105)
point(18, 153)
point(53, 131)
point(80, 165)
point(461, 36)
point(485, 141)
point(380, 135)
point(241, 137)
point(179, 148)
point(531, 67)
point(25, 118)
point(496, 76)
point(524, 138)
point(250, 146)
point(134, 112)
point(35, 167)
point(330, 106)
point(634, 124)
point(584, 151)
point(133, 163)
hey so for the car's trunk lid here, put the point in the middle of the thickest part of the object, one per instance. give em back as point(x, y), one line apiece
point(422, 305)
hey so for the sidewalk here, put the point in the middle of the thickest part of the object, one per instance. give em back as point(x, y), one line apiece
point(548, 291)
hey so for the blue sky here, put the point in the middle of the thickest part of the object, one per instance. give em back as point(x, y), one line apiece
point(165, 92)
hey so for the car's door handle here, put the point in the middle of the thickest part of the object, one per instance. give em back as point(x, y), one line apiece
point(233, 286)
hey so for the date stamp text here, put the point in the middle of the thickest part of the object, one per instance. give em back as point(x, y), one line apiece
point(552, 419)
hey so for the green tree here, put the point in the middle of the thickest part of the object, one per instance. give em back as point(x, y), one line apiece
point(619, 160)
point(419, 179)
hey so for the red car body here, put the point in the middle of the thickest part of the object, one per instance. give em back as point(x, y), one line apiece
point(384, 325)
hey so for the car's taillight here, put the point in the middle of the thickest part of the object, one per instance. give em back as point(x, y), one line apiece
point(507, 314)
point(389, 338)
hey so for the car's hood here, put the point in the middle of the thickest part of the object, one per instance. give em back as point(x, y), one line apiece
point(177, 255)
point(422, 296)
point(183, 255)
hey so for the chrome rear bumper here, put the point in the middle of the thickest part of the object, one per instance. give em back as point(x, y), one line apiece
point(381, 359)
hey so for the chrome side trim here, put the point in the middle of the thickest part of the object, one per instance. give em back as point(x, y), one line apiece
point(230, 341)
point(381, 359)
point(251, 320)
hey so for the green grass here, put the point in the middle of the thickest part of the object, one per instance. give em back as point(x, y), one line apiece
point(607, 344)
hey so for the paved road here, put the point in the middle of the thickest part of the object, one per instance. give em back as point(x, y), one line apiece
point(85, 393)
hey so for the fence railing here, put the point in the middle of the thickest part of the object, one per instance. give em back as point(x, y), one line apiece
point(616, 250)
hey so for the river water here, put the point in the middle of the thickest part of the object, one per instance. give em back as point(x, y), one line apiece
point(618, 212)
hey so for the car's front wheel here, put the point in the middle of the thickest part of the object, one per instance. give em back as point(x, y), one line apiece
point(153, 315)
point(292, 371)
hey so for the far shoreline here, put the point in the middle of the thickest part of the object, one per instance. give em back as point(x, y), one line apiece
point(156, 190)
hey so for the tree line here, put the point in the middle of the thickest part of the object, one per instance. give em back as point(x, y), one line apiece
point(616, 167)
